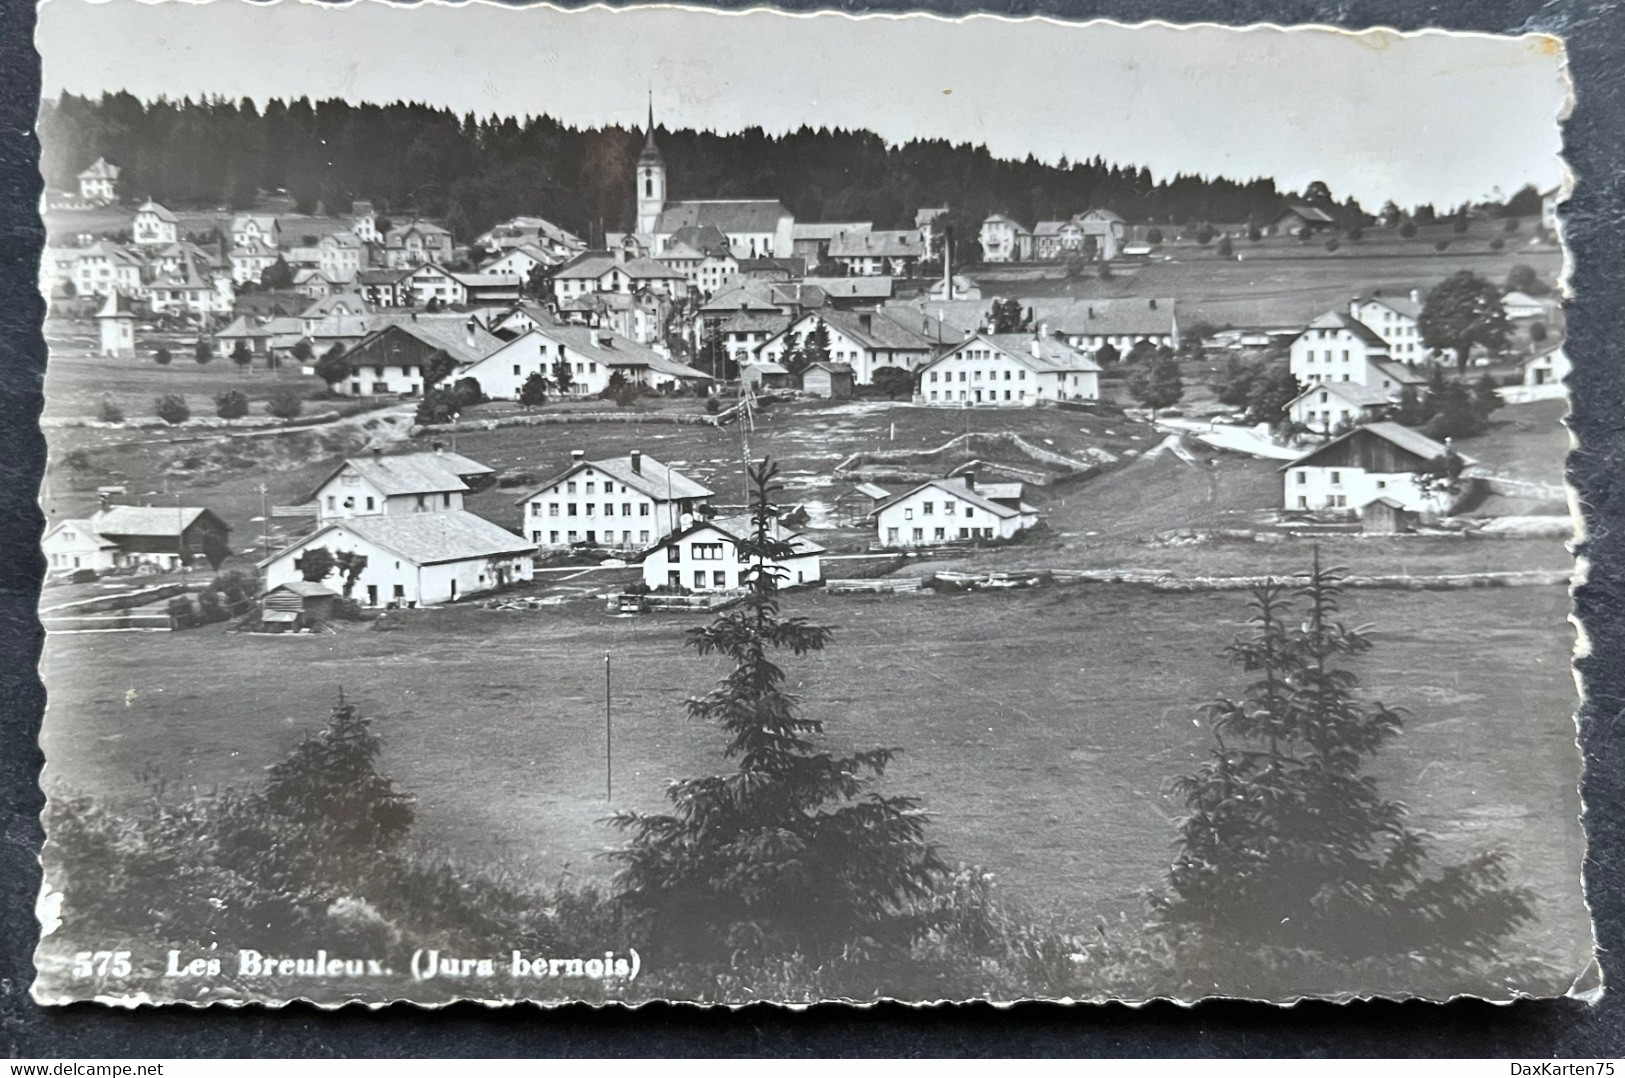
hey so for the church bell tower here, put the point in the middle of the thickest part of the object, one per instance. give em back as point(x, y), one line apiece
point(651, 180)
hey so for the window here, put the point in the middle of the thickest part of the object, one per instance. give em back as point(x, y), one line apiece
point(552, 508)
point(719, 578)
point(699, 578)
point(553, 537)
point(332, 502)
point(626, 509)
point(891, 536)
point(919, 534)
point(571, 537)
point(1303, 477)
point(609, 509)
point(571, 509)
point(590, 487)
point(940, 534)
point(908, 514)
point(609, 488)
point(1337, 478)
point(369, 504)
point(674, 553)
point(928, 508)
point(1303, 502)
point(643, 537)
point(421, 506)
point(707, 552)
point(643, 510)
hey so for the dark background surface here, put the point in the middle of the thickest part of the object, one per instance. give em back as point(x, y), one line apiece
point(1595, 230)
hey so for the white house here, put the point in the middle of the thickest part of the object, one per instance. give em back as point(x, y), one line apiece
point(1010, 370)
point(1339, 348)
point(1547, 367)
point(99, 182)
point(385, 287)
point(419, 559)
point(416, 243)
point(1521, 305)
point(591, 354)
point(1004, 239)
point(396, 485)
point(877, 253)
point(953, 510)
point(154, 226)
point(542, 236)
point(1394, 319)
point(71, 545)
point(189, 291)
point(398, 358)
point(629, 502)
point(1378, 460)
point(597, 272)
point(520, 261)
point(116, 324)
point(706, 557)
point(428, 282)
point(364, 222)
point(1328, 406)
point(866, 341)
point(251, 229)
point(250, 260)
point(340, 255)
point(103, 268)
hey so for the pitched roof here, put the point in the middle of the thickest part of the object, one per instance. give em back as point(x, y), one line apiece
point(265, 221)
point(396, 236)
point(887, 244)
point(744, 321)
point(434, 538)
point(1353, 392)
point(327, 304)
point(725, 215)
point(305, 588)
point(118, 305)
point(162, 214)
point(1101, 212)
point(704, 239)
point(1046, 355)
point(1005, 218)
point(826, 230)
point(875, 288)
point(1399, 372)
point(1404, 304)
point(1309, 213)
point(159, 520)
point(742, 527)
point(100, 169)
point(459, 336)
point(410, 473)
point(957, 487)
point(640, 269)
point(1412, 441)
point(1339, 320)
point(875, 330)
point(80, 524)
point(654, 479)
point(384, 276)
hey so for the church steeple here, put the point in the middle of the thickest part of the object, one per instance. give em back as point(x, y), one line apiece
point(651, 179)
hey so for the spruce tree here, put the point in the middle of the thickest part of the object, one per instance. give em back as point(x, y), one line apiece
point(1291, 854)
point(792, 852)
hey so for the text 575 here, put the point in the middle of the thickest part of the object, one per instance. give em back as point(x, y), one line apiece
point(101, 964)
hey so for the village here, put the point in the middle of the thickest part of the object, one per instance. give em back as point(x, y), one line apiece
point(467, 468)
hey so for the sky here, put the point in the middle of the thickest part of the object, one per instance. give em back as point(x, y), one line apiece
point(1433, 117)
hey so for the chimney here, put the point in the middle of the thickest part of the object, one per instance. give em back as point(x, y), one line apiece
point(439, 448)
point(1032, 346)
point(1416, 296)
point(1091, 312)
point(468, 333)
point(414, 316)
point(1153, 303)
point(1043, 329)
point(637, 462)
point(578, 454)
point(377, 455)
point(970, 479)
point(867, 321)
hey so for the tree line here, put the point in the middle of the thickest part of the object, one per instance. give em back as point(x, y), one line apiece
point(411, 158)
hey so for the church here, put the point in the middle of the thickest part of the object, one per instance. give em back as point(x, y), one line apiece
point(755, 228)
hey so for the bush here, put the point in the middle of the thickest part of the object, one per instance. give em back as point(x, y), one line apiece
point(83, 576)
point(172, 409)
point(1538, 331)
point(332, 368)
point(1355, 234)
point(1442, 245)
point(1153, 236)
point(1225, 249)
point(241, 355)
point(1407, 229)
point(1254, 233)
point(183, 610)
point(467, 392)
point(1511, 225)
point(162, 357)
point(232, 404)
point(712, 406)
point(109, 412)
point(1332, 244)
point(1204, 234)
point(1459, 225)
point(284, 402)
point(1497, 243)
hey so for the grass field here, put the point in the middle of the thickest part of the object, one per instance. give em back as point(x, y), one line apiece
point(1282, 283)
point(77, 382)
point(1054, 718)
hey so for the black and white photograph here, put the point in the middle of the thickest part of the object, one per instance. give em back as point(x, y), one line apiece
point(669, 504)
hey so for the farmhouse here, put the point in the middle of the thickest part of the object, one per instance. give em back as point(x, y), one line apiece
point(1009, 370)
point(250, 260)
point(519, 261)
point(1546, 367)
point(844, 293)
point(1339, 348)
point(429, 283)
point(419, 559)
point(261, 336)
point(154, 226)
point(706, 557)
point(116, 323)
point(597, 271)
point(341, 256)
point(810, 240)
point(743, 332)
point(590, 356)
point(877, 254)
point(187, 290)
point(397, 485)
point(400, 358)
point(1295, 218)
point(99, 182)
point(537, 235)
point(1394, 319)
point(628, 502)
point(1521, 305)
point(1332, 406)
point(866, 341)
point(1122, 323)
point(162, 535)
point(1378, 460)
point(953, 510)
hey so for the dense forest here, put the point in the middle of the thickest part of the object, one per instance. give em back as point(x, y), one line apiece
point(414, 159)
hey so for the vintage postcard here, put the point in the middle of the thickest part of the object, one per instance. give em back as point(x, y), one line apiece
point(666, 504)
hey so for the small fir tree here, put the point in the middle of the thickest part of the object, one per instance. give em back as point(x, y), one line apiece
point(172, 409)
point(231, 404)
point(162, 356)
point(534, 392)
point(792, 852)
point(241, 354)
point(561, 377)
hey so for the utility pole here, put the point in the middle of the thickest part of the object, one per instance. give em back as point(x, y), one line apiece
point(609, 740)
point(265, 521)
